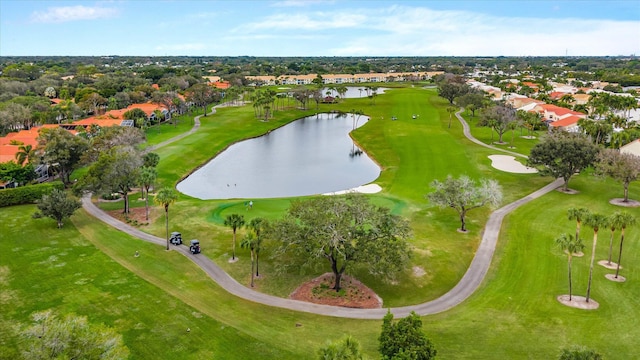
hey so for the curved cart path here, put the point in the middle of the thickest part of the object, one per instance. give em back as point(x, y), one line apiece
point(466, 287)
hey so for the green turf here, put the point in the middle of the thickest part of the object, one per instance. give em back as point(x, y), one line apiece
point(45, 268)
point(514, 315)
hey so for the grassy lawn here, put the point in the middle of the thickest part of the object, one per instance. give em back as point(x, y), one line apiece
point(88, 268)
point(62, 270)
point(515, 314)
point(515, 141)
point(159, 133)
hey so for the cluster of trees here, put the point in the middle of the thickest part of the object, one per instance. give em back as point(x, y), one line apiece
point(115, 165)
point(573, 245)
point(341, 232)
point(399, 340)
point(497, 116)
point(25, 95)
point(561, 154)
point(620, 69)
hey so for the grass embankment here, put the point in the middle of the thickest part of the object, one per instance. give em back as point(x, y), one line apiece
point(514, 314)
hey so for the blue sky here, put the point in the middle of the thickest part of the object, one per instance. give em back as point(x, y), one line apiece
point(320, 28)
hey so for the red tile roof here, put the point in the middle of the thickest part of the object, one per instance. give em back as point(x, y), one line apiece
point(556, 95)
point(530, 84)
point(571, 120)
point(560, 110)
point(29, 137)
point(221, 84)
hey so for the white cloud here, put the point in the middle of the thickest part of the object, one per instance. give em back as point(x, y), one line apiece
point(424, 32)
point(307, 22)
point(72, 13)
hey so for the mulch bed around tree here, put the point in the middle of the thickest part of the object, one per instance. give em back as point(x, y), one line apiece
point(578, 302)
point(136, 216)
point(354, 294)
point(621, 202)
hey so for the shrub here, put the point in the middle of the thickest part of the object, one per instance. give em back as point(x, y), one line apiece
point(27, 194)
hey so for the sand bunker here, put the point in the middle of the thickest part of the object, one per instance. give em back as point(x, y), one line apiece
point(510, 164)
point(364, 189)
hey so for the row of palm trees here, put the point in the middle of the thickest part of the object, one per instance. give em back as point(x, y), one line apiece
point(252, 240)
point(573, 245)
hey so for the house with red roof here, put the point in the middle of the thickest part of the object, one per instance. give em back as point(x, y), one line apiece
point(559, 117)
point(553, 113)
point(223, 85)
point(518, 102)
point(10, 144)
point(569, 124)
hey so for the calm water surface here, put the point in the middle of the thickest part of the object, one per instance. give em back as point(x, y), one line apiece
point(313, 155)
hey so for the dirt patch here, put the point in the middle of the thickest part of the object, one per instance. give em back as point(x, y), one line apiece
point(610, 266)
point(578, 302)
point(418, 271)
point(613, 277)
point(136, 216)
point(567, 191)
point(621, 202)
point(353, 294)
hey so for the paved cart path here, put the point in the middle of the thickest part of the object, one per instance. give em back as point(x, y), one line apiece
point(466, 287)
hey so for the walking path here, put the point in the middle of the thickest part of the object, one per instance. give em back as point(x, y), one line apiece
point(196, 126)
point(466, 287)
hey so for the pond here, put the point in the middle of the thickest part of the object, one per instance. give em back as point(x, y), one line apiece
point(313, 155)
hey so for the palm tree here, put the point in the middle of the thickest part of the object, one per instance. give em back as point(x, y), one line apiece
point(577, 214)
point(249, 242)
point(257, 224)
point(570, 245)
point(451, 110)
point(25, 152)
point(165, 197)
point(147, 177)
point(625, 220)
point(595, 221)
point(234, 221)
point(613, 223)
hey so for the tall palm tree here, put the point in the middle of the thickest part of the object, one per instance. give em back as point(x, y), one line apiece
point(234, 221)
point(257, 224)
point(613, 223)
point(249, 242)
point(570, 245)
point(165, 197)
point(25, 152)
point(625, 220)
point(595, 221)
point(147, 177)
point(451, 110)
point(577, 214)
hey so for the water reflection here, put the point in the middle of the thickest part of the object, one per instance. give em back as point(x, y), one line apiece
point(313, 155)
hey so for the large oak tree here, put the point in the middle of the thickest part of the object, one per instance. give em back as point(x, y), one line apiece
point(563, 154)
point(343, 231)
